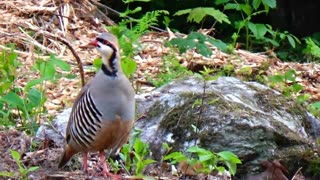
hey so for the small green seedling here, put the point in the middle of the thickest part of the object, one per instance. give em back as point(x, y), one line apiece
point(208, 160)
point(23, 172)
point(134, 156)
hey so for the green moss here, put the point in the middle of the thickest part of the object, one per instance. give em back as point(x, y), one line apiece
point(156, 109)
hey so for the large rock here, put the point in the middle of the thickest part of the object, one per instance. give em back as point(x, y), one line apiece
point(247, 118)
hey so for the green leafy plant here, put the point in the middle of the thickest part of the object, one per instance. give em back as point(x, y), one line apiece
point(198, 42)
point(312, 49)
point(314, 167)
point(27, 103)
point(262, 34)
point(207, 160)
point(314, 108)
point(170, 69)
point(8, 74)
point(134, 155)
point(23, 172)
point(289, 86)
point(198, 14)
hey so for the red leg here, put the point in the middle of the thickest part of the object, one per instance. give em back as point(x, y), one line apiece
point(85, 161)
point(105, 171)
point(103, 163)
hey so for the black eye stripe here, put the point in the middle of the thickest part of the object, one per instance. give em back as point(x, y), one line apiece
point(105, 42)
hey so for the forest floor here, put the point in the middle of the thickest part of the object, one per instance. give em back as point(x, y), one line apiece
point(35, 26)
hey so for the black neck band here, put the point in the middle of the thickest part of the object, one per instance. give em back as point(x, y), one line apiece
point(107, 72)
point(112, 63)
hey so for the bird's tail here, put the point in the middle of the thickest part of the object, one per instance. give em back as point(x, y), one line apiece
point(67, 154)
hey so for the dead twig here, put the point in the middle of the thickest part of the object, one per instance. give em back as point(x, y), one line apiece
point(296, 174)
point(74, 53)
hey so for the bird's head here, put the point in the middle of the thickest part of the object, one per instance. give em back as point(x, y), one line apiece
point(108, 47)
point(106, 44)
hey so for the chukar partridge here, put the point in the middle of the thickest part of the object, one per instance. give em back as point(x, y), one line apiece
point(103, 113)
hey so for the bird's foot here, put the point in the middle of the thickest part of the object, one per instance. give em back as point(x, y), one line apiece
point(105, 171)
point(112, 176)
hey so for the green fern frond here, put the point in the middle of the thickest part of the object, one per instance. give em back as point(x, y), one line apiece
point(149, 19)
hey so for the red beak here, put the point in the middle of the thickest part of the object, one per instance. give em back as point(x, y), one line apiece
point(93, 43)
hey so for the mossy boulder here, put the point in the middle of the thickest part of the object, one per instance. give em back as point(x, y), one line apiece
point(249, 119)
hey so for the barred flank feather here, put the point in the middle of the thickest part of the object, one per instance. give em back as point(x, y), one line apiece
point(85, 121)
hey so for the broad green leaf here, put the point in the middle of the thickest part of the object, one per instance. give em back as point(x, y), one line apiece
point(196, 15)
point(218, 2)
point(282, 35)
point(14, 100)
point(129, 66)
point(135, 10)
point(32, 83)
point(276, 78)
point(4, 86)
point(219, 44)
point(32, 169)
point(261, 29)
point(290, 75)
point(138, 146)
point(312, 48)
point(6, 174)
point(139, 167)
point(229, 156)
point(176, 156)
point(47, 70)
point(297, 87)
point(291, 41)
point(173, 155)
point(270, 3)
point(234, 6)
point(303, 98)
point(60, 63)
point(196, 149)
point(232, 167)
point(97, 63)
point(198, 41)
point(256, 4)
point(216, 14)
point(15, 155)
point(148, 161)
point(273, 42)
point(246, 8)
point(206, 157)
point(221, 169)
point(203, 49)
point(182, 12)
point(316, 105)
point(258, 30)
point(34, 96)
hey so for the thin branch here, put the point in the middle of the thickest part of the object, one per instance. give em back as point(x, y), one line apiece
point(80, 66)
point(298, 171)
